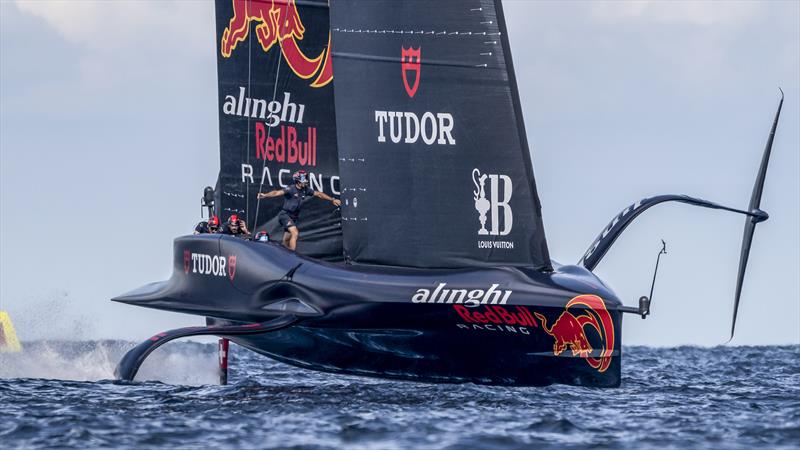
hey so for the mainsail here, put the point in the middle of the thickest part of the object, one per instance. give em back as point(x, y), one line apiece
point(276, 115)
point(435, 165)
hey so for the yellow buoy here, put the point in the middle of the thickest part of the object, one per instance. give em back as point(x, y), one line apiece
point(8, 337)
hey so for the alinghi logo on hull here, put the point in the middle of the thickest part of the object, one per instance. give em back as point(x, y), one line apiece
point(468, 297)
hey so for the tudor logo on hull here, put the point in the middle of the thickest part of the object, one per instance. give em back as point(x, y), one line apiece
point(410, 127)
point(209, 265)
point(469, 297)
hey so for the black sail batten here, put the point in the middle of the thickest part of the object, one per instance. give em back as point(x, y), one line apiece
point(436, 169)
point(277, 116)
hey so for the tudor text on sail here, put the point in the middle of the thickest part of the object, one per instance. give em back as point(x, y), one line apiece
point(409, 128)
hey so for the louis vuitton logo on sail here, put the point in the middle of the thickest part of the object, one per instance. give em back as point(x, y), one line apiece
point(500, 189)
point(468, 297)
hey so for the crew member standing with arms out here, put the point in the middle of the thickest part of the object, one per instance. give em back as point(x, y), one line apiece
point(293, 197)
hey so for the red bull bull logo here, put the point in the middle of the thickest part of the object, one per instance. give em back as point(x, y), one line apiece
point(569, 330)
point(278, 22)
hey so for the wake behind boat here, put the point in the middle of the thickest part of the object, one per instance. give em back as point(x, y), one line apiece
point(436, 267)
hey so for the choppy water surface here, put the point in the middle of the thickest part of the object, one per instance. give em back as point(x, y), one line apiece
point(724, 397)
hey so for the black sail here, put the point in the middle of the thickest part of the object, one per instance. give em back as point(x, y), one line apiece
point(435, 164)
point(276, 115)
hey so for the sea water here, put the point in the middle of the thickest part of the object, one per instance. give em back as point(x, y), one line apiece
point(60, 395)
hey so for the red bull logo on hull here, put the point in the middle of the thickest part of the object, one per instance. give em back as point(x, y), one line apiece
point(569, 330)
point(278, 22)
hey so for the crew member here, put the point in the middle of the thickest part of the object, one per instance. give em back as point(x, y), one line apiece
point(293, 197)
point(212, 226)
point(236, 227)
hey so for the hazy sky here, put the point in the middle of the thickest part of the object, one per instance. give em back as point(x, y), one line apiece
point(108, 133)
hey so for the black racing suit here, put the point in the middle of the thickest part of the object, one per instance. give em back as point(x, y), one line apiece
point(204, 228)
point(293, 198)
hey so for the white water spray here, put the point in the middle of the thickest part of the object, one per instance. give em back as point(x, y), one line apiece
point(188, 363)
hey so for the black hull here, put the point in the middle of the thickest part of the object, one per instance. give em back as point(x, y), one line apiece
point(457, 356)
point(503, 326)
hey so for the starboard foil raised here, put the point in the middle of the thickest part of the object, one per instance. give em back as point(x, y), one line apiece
point(435, 165)
point(276, 115)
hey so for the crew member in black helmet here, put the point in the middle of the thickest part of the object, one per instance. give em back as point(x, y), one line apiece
point(235, 226)
point(212, 226)
point(293, 197)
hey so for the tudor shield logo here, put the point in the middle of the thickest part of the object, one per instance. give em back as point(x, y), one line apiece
point(231, 266)
point(492, 195)
point(187, 256)
point(410, 59)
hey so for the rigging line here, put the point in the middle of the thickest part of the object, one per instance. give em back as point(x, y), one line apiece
point(655, 272)
point(269, 132)
point(247, 132)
